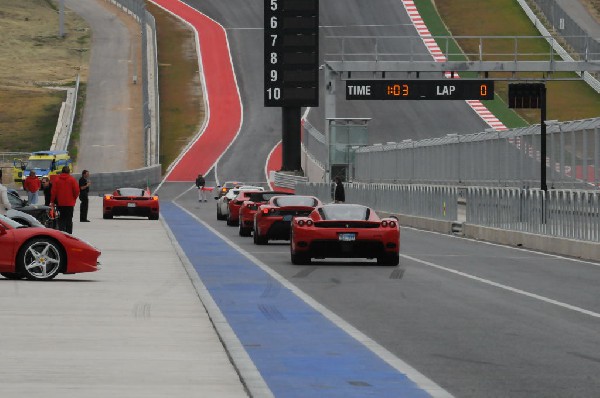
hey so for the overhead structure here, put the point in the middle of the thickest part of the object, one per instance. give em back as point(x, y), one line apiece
point(379, 68)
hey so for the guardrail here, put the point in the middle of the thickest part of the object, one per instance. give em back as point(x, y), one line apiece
point(436, 202)
point(571, 214)
point(289, 181)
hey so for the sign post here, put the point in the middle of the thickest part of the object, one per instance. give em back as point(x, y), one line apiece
point(532, 95)
point(291, 67)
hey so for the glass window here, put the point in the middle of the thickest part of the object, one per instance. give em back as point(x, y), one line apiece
point(345, 212)
point(131, 192)
point(10, 222)
point(15, 201)
point(293, 200)
point(43, 164)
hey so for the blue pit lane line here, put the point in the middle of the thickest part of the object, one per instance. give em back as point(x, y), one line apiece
point(298, 351)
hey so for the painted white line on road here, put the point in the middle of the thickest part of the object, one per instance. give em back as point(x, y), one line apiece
point(505, 287)
point(417, 377)
point(556, 256)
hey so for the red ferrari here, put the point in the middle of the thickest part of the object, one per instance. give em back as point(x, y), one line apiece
point(272, 220)
point(233, 214)
point(38, 253)
point(345, 231)
point(249, 206)
point(130, 202)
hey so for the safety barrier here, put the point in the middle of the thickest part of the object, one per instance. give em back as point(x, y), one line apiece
point(571, 214)
point(436, 202)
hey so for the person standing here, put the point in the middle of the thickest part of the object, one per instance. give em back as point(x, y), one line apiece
point(32, 186)
point(84, 189)
point(4, 202)
point(200, 183)
point(47, 189)
point(339, 195)
point(65, 191)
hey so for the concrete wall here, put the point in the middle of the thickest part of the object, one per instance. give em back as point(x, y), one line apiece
point(139, 178)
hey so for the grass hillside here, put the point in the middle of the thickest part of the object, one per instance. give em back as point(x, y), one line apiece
point(34, 60)
point(567, 100)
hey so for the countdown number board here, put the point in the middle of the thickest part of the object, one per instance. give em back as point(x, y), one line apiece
point(445, 89)
point(291, 53)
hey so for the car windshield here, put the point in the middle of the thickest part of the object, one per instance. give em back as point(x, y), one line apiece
point(292, 200)
point(231, 184)
point(39, 164)
point(10, 222)
point(15, 200)
point(131, 192)
point(345, 212)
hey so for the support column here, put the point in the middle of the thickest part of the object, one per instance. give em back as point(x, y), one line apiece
point(290, 139)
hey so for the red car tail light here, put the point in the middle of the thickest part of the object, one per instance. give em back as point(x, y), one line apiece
point(309, 222)
point(384, 223)
point(108, 197)
point(155, 198)
point(301, 223)
point(265, 211)
point(393, 224)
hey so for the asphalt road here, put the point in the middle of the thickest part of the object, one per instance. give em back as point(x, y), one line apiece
point(261, 128)
point(103, 145)
point(480, 320)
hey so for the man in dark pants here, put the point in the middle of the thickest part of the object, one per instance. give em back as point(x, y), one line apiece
point(339, 195)
point(65, 191)
point(84, 189)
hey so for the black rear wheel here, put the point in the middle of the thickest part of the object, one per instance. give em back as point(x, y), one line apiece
point(259, 240)
point(389, 259)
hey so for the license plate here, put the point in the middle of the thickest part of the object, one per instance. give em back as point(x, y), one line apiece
point(130, 204)
point(347, 237)
point(287, 217)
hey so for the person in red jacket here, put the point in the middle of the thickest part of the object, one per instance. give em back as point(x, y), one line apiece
point(65, 191)
point(32, 186)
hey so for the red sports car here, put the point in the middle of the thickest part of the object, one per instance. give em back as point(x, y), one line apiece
point(345, 231)
point(233, 213)
point(130, 202)
point(39, 253)
point(249, 206)
point(272, 220)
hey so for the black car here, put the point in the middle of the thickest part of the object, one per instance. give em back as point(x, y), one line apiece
point(40, 212)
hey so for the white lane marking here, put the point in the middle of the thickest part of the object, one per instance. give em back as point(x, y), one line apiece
point(505, 287)
point(240, 359)
point(417, 377)
point(556, 256)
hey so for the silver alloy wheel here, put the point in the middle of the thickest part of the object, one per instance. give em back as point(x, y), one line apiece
point(41, 259)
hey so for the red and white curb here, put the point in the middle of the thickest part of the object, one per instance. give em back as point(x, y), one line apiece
point(438, 56)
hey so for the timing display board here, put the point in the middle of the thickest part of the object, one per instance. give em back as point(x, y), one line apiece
point(445, 89)
point(291, 53)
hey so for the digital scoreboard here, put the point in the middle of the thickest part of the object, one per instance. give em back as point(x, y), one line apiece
point(445, 89)
point(291, 55)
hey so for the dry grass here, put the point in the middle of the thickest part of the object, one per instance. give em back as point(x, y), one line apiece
point(181, 106)
point(32, 58)
point(567, 100)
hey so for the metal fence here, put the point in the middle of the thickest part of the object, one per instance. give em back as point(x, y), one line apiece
point(437, 202)
point(576, 37)
point(571, 214)
point(567, 214)
point(491, 158)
